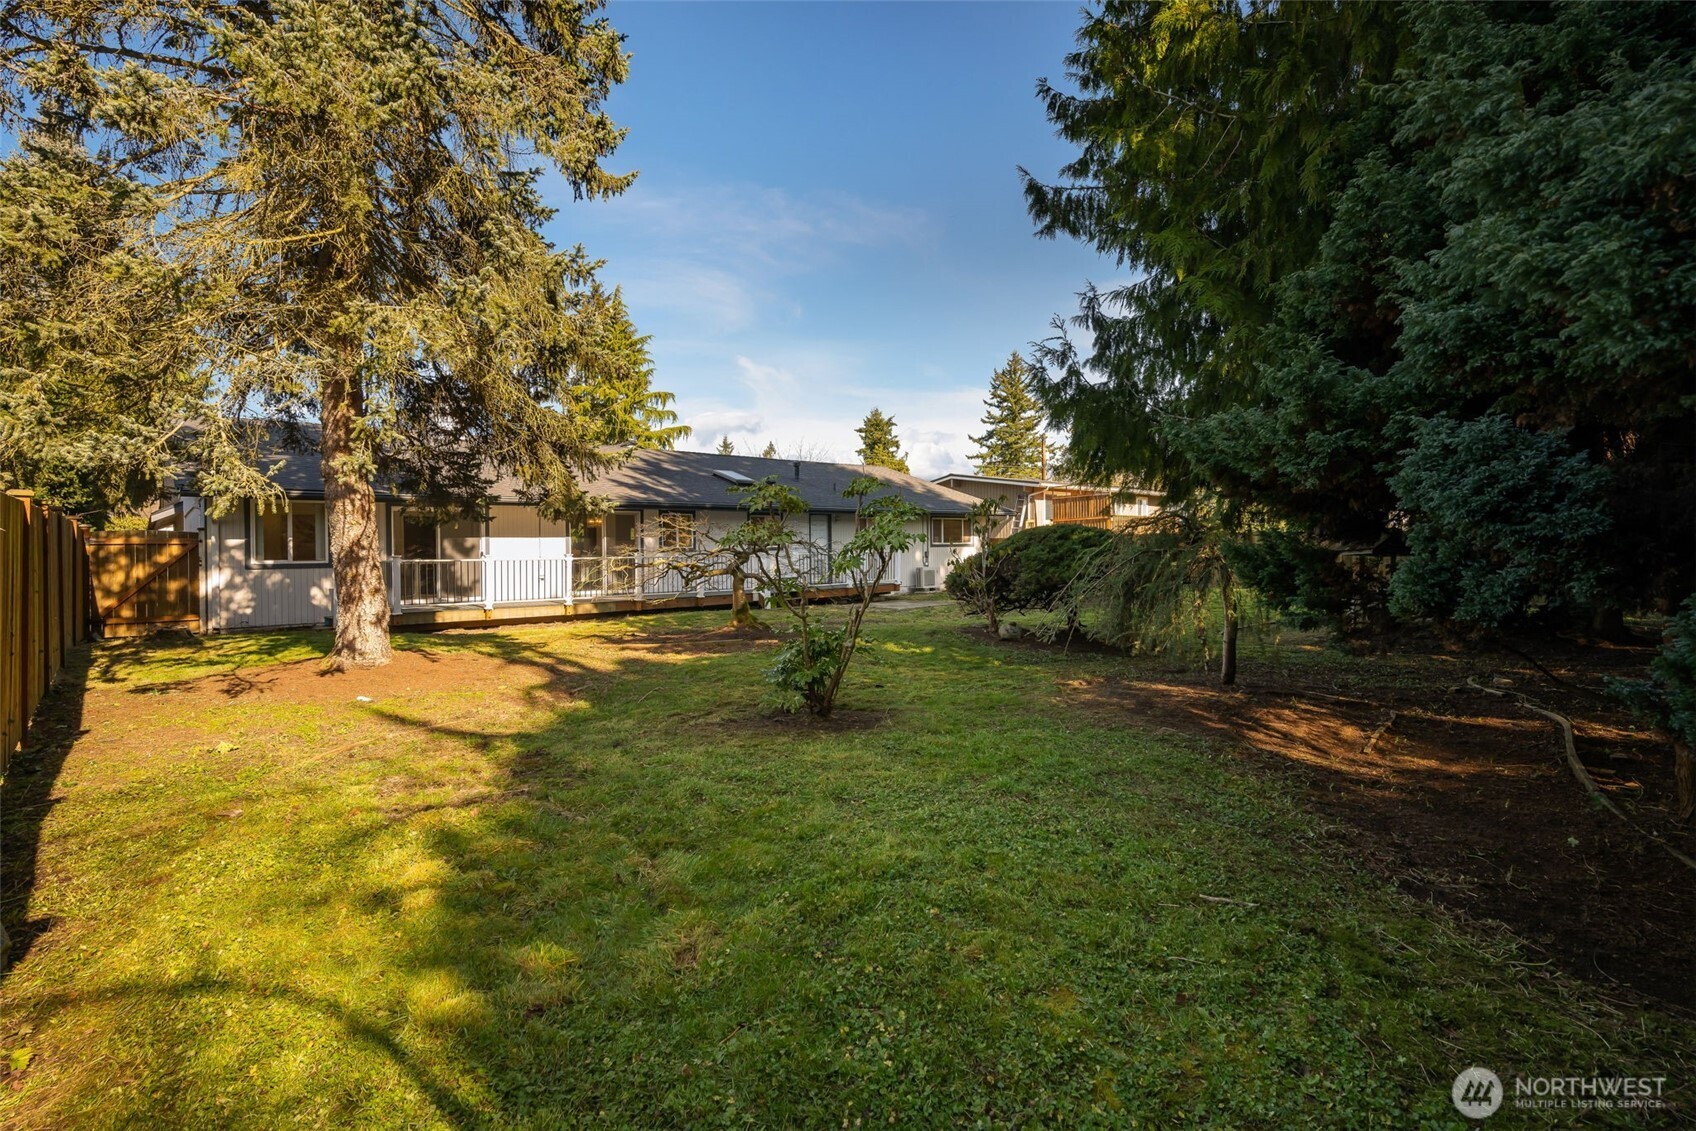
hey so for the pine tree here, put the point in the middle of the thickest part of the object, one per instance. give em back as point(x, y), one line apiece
point(352, 188)
point(879, 446)
point(725, 447)
point(1012, 442)
point(770, 450)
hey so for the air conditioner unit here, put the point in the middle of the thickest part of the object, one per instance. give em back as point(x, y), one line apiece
point(924, 578)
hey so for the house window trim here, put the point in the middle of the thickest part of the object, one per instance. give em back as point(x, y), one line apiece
point(695, 524)
point(938, 530)
point(256, 537)
point(397, 526)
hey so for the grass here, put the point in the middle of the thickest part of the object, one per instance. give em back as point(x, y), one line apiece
point(582, 880)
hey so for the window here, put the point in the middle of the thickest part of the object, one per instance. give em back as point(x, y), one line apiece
point(294, 532)
point(818, 531)
point(677, 530)
point(950, 531)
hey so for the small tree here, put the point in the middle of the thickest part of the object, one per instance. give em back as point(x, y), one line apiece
point(878, 444)
point(973, 581)
point(1151, 585)
point(770, 450)
point(786, 569)
point(688, 551)
point(725, 446)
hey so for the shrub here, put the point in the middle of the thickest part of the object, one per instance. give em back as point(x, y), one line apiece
point(1667, 699)
point(1033, 568)
point(805, 671)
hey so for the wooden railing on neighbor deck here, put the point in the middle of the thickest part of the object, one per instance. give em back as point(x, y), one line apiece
point(1083, 510)
point(43, 607)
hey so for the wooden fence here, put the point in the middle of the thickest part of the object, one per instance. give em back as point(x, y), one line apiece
point(145, 581)
point(44, 610)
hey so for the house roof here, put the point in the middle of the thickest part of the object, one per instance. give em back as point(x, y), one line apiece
point(651, 478)
point(1009, 480)
point(1037, 485)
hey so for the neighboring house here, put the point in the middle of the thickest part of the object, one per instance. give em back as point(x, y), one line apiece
point(1041, 502)
point(271, 569)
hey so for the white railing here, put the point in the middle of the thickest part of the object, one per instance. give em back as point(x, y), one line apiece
point(437, 582)
point(533, 580)
point(512, 581)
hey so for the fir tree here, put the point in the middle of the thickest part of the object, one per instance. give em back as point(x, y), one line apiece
point(879, 446)
point(770, 450)
point(354, 188)
point(1356, 299)
point(1012, 442)
point(96, 394)
point(725, 447)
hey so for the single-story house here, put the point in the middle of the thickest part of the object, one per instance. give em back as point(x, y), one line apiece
point(269, 568)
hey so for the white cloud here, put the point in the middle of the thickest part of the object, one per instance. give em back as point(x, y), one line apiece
point(816, 405)
point(708, 298)
point(720, 259)
point(752, 224)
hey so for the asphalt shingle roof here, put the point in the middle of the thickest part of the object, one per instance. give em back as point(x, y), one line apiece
point(681, 479)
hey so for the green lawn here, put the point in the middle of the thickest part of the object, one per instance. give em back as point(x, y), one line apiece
point(578, 878)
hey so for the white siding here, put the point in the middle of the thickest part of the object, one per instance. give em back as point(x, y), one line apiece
point(521, 532)
point(240, 594)
point(526, 563)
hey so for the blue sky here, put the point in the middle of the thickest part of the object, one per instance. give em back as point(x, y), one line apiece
point(828, 215)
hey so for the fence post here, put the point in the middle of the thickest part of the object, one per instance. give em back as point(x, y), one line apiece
point(570, 585)
point(11, 625)
point(394, 585)
point(53, 588)
point(35, 618)
point(483, 580)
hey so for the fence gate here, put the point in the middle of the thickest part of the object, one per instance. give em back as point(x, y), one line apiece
point(145, 582)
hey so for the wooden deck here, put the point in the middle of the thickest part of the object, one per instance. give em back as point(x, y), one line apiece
point(430, 617)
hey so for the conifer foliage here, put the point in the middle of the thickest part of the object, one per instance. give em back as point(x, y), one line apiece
point(353, 187)
point(1013, 439)
point(1416, 279)
point(879, 446)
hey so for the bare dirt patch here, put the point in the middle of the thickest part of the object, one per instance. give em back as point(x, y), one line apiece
point(1465, 799)
point(701, 642)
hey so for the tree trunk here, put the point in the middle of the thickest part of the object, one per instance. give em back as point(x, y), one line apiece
point(1684, 772)
point(1228, 651)
point(741, 612)
point(1608, 623)
point(356, 546)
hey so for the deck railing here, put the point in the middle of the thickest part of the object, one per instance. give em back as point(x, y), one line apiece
point(515, 581)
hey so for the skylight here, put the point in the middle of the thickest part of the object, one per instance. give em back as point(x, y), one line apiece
point(735, 477)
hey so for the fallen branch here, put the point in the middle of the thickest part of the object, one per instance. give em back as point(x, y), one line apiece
point(1222, 899)
point(1578, 770)
point(1366, 751)
point(1560, 720)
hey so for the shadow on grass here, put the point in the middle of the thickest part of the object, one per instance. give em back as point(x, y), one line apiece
point(615, 905)
point(26, 799)
point(370, 1034)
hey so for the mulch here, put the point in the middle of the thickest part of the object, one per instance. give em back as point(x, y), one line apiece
point(1465, 800)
